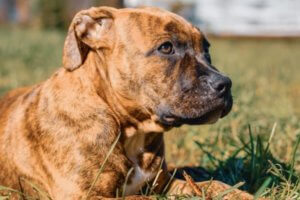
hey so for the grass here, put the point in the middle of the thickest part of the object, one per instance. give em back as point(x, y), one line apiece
point(256, 144)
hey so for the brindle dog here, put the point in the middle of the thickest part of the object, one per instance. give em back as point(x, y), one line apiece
point(133, 72)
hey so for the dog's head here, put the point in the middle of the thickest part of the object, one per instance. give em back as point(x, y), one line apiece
point(154, 59)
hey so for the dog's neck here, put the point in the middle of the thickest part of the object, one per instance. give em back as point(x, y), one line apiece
point(132, 118)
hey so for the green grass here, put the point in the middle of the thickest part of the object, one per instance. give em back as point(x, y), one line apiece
point(239, 148)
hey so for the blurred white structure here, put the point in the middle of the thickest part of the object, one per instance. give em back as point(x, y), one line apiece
point(236, 17)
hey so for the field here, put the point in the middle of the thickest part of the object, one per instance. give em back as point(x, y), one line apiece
point(256, 144)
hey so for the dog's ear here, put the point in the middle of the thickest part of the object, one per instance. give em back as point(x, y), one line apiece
point(90, 29)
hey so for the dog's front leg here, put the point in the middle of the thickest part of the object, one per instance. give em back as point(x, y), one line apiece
point(208, 189)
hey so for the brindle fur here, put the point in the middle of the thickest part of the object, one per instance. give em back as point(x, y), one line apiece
point(56, 134)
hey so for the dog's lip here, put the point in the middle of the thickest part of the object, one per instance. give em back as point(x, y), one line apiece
point(209, 116)
point(228, 105)
point(176, 121)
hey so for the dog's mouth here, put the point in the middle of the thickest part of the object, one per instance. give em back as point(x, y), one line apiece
point(209, 116)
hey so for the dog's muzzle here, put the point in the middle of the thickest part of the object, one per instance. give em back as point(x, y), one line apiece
point(219, 105)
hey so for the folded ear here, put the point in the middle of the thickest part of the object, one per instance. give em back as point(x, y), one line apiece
point(90, 29)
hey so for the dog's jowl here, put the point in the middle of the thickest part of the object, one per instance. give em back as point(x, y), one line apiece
point(133, 73)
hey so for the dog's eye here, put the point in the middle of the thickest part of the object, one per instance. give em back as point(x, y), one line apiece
point(166, 48)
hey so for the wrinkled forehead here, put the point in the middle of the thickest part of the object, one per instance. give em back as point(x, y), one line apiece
point(148, 26)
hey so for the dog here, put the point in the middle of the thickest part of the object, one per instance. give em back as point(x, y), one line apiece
point(128, 75)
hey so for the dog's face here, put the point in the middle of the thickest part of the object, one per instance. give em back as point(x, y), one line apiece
point(167, 66)
point(162, 63)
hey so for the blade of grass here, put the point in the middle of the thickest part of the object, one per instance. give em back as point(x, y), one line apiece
point(125, 183)
point(39, 190)
point(147, 189)
point(211, 158)
point(15, 191)
point(3, 188)
point(222, 194)
point(253, 159)
point(291, 171)
point(154, 182)
point(262, 188)
point(117, 193)
point(271, 136)
point(169, 182)
point(102, 166)
point(156, 177)
point(9, 189)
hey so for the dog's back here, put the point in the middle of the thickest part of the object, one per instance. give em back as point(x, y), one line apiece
point(10, 140)
point(10, 98)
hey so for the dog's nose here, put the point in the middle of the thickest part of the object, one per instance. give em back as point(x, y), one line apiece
point(221, 84)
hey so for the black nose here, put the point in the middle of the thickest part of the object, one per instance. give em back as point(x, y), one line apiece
point(221, 84)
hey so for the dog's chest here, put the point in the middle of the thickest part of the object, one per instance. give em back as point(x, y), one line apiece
point(135, 148)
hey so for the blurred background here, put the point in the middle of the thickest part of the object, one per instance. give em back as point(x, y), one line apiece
point(255, 42)
point(220, 17)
